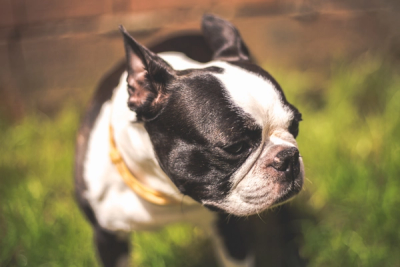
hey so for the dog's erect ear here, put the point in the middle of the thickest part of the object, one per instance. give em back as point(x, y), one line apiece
point(224, 39)
point(148, 76)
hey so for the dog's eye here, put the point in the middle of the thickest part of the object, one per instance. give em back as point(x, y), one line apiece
point(294, 128)
point(294, 125)
point(237, 148)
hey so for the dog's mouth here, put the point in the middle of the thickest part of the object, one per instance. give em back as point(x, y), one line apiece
point(280, 187)
point(293, 189)
point(276, 184)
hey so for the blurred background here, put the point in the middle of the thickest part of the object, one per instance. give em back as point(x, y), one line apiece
point(337, 61)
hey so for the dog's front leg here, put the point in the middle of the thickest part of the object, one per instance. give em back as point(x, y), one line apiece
point(113, 249)
point(232, 237)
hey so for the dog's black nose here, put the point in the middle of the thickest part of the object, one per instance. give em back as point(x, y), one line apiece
point(287, 161)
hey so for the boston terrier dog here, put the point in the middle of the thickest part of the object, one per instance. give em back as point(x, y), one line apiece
point(173, 139)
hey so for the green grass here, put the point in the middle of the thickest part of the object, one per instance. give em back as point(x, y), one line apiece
point(40, 224)
point(349, 140)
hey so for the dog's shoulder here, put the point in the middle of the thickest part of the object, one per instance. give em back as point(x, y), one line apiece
point(103, 93)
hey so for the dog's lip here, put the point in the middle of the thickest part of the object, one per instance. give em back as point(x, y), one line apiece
point(290, 191)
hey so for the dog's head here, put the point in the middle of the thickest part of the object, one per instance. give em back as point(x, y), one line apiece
point(224, 134)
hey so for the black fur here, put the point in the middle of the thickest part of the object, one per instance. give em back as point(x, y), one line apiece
point(224, 39)
point(236, 235)
point(112, 249)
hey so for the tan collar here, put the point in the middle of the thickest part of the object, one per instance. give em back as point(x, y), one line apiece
point(142, 190)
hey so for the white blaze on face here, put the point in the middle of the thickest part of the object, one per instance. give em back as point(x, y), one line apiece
point(256, 96)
